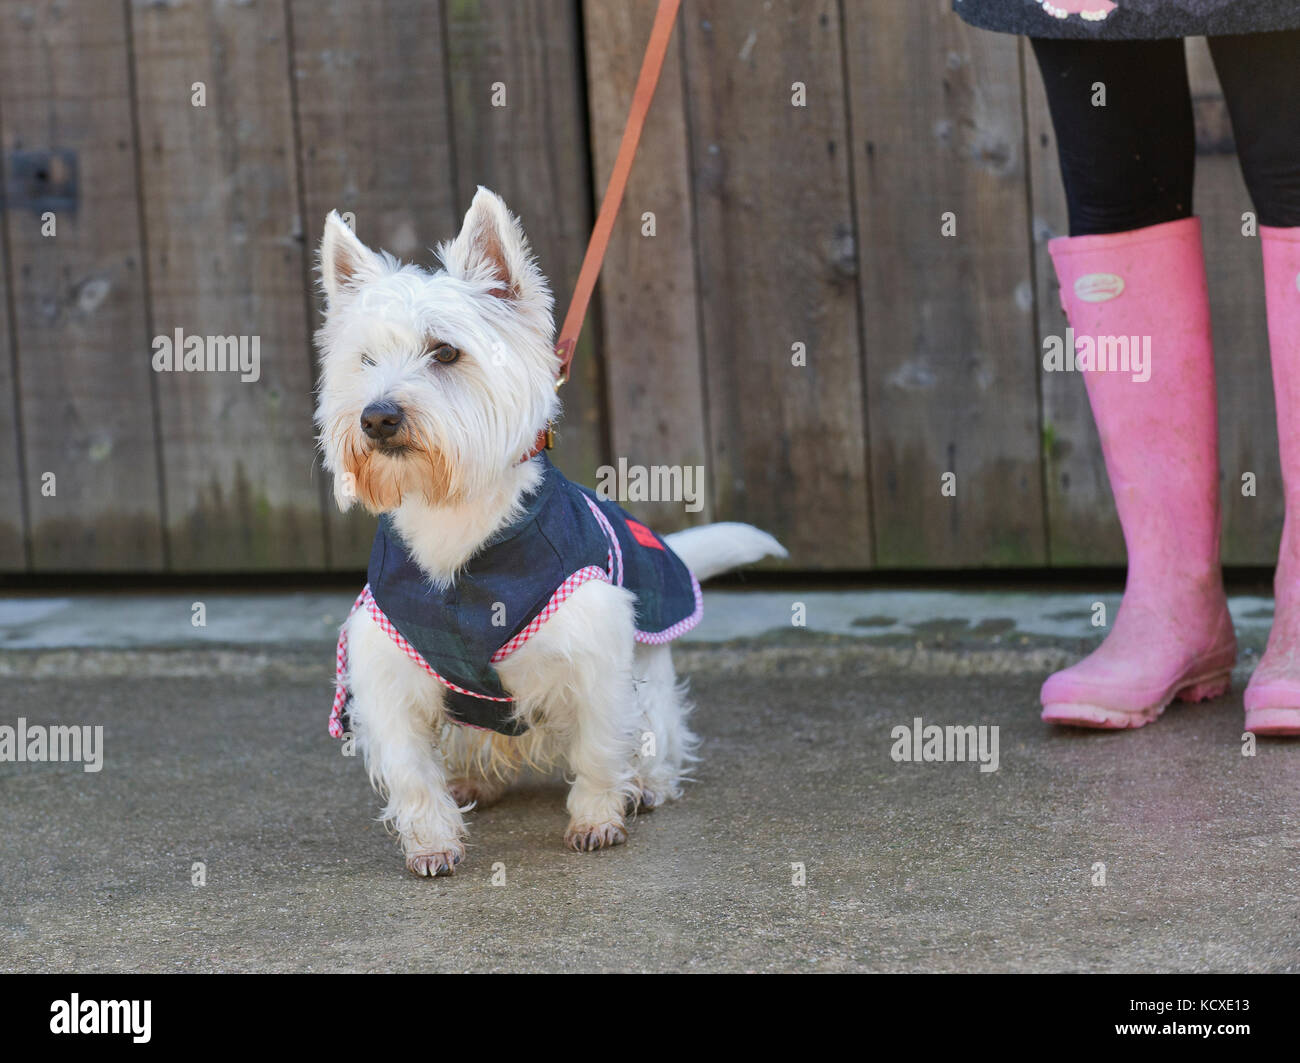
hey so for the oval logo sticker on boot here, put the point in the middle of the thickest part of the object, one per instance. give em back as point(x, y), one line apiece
point(1098, 287)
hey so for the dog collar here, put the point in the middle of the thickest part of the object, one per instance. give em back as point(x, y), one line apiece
point(546, 437)
point(545, 441)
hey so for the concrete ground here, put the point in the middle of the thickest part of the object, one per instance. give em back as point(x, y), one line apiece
point(216, 752)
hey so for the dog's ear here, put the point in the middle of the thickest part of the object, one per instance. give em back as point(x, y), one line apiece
point(492, 246)
point(345, 262)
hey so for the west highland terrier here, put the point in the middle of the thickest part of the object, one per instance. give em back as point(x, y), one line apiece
point(512, 618)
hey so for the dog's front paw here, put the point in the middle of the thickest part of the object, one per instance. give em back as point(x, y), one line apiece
point(586, 839)
point(648, 800)
point(428, 864)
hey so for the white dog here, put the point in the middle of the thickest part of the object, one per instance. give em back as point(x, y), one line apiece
point(435, 386)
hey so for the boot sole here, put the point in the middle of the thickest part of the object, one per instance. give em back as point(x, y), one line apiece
point(1280, 721)
point(1099, 717)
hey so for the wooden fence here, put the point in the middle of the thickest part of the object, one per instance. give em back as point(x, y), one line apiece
point(797, 324)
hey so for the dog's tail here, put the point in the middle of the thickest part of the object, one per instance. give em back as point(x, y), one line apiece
point(715, 548)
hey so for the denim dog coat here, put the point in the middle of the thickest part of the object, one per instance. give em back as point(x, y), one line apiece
point(514, 584)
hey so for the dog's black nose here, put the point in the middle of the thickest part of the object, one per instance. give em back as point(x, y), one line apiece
point(381, 420)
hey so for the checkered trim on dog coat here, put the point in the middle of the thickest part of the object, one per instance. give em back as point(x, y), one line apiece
point(566, 537)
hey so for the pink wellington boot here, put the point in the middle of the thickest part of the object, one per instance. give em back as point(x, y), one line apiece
point(1273, 694)
point(1172, 636)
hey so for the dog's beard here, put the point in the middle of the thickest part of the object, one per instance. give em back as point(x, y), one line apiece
point(382, 477)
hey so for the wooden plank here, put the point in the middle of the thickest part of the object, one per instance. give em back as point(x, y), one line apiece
point(375, 140)
point(948, 319)
point(13, 525)
point(778, 265)
point(648, 289)
point(1083, 528)
point(533, 152)
point(1252, 526)
point(225, 247)
point(78, 297)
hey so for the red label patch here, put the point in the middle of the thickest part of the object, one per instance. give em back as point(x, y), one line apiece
point(644, 535)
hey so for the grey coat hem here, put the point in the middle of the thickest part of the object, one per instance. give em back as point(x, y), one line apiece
point(1133, 19)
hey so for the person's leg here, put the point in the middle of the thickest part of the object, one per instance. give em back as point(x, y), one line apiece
point(1132, 272)
point(1122, 114)
point(1260, 76)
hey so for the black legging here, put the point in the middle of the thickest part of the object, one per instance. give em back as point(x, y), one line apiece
point(1130, 163)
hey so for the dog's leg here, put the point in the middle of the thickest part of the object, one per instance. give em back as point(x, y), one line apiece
point(577, 670)
point(665, 744)
point(396, 714)
point(481, 767)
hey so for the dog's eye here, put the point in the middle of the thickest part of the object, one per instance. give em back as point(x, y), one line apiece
point(367, 360)
point(445, 354)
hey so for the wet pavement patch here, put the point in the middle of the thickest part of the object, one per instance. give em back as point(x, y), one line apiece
point(874, 621)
